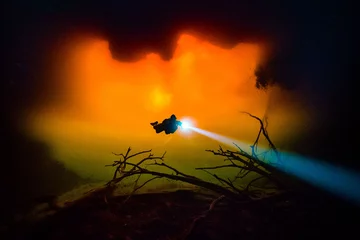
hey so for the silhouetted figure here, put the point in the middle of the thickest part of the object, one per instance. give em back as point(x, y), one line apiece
point(169, 125)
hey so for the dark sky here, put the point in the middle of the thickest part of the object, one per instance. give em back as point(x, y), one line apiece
point(313, 40)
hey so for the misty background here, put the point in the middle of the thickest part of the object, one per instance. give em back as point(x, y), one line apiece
point(312, 57)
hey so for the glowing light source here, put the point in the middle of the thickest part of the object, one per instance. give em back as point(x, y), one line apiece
point(187, 124)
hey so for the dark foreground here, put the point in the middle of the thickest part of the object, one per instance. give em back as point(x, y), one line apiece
point(177, 215)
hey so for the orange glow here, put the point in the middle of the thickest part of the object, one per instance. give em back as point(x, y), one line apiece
point(109, 104)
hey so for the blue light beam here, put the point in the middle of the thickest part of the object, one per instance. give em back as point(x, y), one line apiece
point(335, 179)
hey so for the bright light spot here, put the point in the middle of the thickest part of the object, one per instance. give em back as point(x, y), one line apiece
point(187, 124)
point(158, 100)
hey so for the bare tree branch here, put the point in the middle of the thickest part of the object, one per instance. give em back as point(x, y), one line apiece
point(177, 172)
point(264, 132)
point(197, 182)
point(221, 166)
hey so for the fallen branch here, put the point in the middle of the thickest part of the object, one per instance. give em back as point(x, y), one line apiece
point(192, 180)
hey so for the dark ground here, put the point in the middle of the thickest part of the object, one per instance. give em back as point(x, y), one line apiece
point(170, 216)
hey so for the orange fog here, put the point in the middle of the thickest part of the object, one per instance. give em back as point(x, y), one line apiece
point(107, 105)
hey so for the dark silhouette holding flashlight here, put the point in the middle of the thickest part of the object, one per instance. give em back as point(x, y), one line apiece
point(169, 125)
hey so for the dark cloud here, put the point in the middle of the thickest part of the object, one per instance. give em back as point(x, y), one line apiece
point(309, 37)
